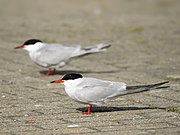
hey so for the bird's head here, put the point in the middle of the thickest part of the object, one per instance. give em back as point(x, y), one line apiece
point(30, 45)
point(68, 77)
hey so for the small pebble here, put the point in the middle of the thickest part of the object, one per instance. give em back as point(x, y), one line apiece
point(26, 115)
point(37, 105)
point(73, 126)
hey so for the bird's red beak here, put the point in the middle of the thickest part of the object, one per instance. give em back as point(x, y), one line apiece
point(18, 47)
point(57, 81)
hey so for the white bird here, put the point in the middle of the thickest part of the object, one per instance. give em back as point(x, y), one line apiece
point(94, 91)
point(57, 55)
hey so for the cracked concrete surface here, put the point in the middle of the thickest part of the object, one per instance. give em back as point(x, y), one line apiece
point(146, 49)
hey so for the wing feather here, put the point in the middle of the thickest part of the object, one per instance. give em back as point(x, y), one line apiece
point(54, 54)
point(95, 90)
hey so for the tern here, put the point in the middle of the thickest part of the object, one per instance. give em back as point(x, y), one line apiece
point(57, 55)
point(94, 91)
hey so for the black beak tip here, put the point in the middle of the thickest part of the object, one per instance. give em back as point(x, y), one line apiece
point(16, 48)
point(52, 82)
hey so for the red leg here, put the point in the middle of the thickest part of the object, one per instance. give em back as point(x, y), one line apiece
point(89, 109)
point(50, 72)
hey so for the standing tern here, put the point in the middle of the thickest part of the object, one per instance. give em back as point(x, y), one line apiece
point(94, 91)
point(57, 55)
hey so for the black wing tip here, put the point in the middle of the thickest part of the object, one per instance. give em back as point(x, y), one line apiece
point(158, 84)
point(164, 82)
point(162, 87)
point(149, 86)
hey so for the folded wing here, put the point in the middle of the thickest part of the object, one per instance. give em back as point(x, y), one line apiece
point(94, 90)
point(54, 54)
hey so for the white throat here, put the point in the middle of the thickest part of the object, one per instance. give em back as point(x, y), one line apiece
point(35, 47)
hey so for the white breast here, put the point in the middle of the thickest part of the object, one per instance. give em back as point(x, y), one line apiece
point(71, 86)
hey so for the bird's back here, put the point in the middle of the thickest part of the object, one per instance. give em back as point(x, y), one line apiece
point(54, 54)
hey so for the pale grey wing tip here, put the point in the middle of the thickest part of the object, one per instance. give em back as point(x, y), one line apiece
point(102, 45)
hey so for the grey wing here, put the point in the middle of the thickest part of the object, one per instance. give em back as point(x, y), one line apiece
point(98, 90)
point(54, 54)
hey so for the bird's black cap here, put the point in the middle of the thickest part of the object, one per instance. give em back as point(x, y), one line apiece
point(72, 76)
point(31, 41)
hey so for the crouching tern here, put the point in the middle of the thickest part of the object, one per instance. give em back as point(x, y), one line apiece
point(94, 91)
point(57, 55)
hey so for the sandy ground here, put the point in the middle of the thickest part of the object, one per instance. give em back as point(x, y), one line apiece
point(146, 49)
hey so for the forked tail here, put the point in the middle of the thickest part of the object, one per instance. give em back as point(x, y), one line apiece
point(141, 88)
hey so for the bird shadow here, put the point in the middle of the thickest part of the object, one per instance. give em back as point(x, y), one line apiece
point(115, 109)
point(63, 72)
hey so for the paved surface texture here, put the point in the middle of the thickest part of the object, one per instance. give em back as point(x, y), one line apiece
point(146, 49)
